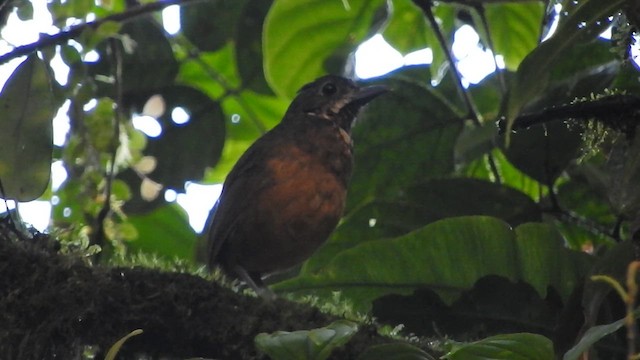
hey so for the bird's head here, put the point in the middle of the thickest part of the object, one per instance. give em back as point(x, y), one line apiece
point(333, 98)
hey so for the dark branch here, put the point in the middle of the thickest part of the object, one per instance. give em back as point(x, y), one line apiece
point(75, 31)
point(591, 226)
point(58, 304)
point(615, 111)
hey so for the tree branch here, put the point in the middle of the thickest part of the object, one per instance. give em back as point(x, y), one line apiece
point(615, 111)
point(58, 305)
point(75, 31)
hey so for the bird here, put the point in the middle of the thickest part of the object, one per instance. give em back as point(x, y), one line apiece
point(286, 194)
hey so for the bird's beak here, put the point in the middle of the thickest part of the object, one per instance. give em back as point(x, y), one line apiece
point(366, 94)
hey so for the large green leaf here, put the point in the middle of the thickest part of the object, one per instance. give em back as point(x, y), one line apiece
point(315, 344)
point(494, 305)
point(515, 29)
point(402, 138)
point(592, 336)
point(407, 28)
point(164, 232)
point(422, 204)
point(214, 73)
point(448, 257)
point(509, 175)
point(521, 346)
point(543, 152)
point(584, 20)
point(248, 45)
point(148, 62)
point(397, 351)
point(300, 35)
point(26, 131)
point(210, 24)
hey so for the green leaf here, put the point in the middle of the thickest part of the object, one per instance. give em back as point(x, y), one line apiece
point(522, 346)
point(447, 257)
point(248, 45)
point(422, 204)
point(210, 24)
point(26, 132)
point(515, 29)
point(509, 175)
point(214, 73)
point(399, 351)
point(585, 20)
point(475, 141)
point(543, 152)
point(299, 35)
point(148, 62)
point(91, 37)
point(25, 11)
point(543, 260)
point(592, 336)
point(407, 28)
point(115, 348)
point(404, 137)
point(164, 232)
point(614, 263)
point(316, 344)
point(494, 305)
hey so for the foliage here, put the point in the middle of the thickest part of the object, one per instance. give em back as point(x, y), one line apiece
point(315, 344)
point(453, 224)
point(113, 351)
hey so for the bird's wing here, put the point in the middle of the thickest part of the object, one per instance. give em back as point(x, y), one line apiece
point(240, 190)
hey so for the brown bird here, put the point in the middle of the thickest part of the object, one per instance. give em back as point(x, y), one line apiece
point(286, 194)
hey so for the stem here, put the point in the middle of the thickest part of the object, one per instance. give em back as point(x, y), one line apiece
point(425, 6)
point(630, 319)
point(116, 54)
point(75, 31)
point(485, 26)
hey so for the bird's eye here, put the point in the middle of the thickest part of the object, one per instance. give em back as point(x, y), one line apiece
point(329, 89)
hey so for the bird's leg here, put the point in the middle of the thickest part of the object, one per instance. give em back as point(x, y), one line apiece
point(255, 282)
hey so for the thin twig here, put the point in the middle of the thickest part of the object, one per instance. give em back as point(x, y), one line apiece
point(116, 55)
point(479, 8)
point(425, 6)
point(75, 31)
